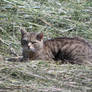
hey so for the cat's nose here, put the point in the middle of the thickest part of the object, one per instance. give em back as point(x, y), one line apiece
point(29, 45)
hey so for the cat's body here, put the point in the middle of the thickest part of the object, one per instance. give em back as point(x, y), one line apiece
point(73, 50)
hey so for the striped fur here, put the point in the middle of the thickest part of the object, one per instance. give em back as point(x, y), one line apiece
point(74, 50)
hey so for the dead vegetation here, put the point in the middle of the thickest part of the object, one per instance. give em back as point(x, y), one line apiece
point(53, 18)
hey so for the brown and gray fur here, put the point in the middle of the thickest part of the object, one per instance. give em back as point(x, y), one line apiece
point(74, 50)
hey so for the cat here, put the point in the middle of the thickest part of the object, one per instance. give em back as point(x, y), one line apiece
point(75, 50)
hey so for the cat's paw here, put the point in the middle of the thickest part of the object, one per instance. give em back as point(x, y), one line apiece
point(14, 59)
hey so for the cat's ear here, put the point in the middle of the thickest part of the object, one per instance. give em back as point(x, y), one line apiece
point(40, 36)
point(23, 32)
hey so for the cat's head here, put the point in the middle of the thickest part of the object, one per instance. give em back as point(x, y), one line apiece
point(31, 41)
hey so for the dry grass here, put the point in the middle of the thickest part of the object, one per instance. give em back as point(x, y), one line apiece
point(53, 18)
point(39, 76)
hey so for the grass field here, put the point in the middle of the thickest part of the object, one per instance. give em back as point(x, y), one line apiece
point(53, 18)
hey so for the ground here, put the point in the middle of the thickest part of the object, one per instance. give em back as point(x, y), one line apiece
point(44, 76)
point(53, 18)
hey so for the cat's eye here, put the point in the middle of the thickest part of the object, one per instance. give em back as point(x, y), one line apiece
point(33, 42)
point(24, 42)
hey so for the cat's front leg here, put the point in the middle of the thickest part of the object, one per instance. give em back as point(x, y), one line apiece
point(25, 56)
point(14, 59)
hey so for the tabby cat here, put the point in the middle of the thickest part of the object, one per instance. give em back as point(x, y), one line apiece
point(73, 50)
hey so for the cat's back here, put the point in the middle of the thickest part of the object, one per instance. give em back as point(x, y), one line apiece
point(68, 40)
point(71, 45)
point(74, 49)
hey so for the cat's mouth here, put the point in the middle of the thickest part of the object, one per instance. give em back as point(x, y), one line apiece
point(32, 50)
point(29, 49)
